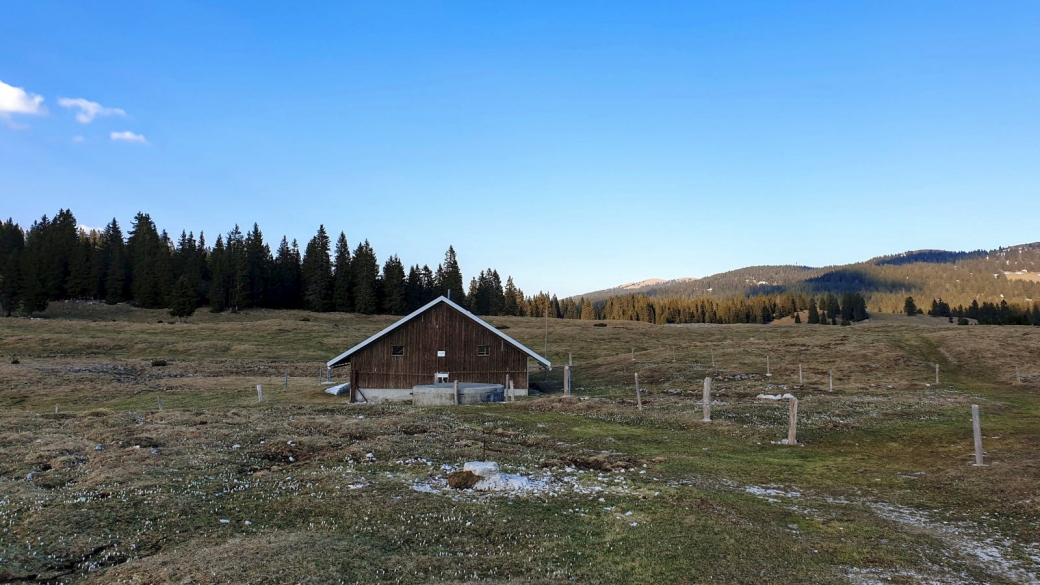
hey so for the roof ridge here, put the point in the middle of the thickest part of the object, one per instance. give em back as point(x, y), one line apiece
point(441, 299)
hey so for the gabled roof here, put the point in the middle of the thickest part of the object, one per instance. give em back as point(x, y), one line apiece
point(344, 357)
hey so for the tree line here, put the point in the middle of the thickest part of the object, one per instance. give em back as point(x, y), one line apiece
point(56, 260)
point(826, 308)
point(986, 314)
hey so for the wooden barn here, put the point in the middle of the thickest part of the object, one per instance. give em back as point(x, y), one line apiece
point(440, 342)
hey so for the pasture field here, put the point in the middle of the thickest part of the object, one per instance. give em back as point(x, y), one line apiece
point(98, 485)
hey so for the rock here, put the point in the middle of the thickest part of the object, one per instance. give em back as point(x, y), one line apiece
point(482, 468)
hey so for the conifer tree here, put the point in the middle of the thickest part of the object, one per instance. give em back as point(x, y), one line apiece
point(341, 296)
point(473, 304)
point(588, 310)
point(429, 287)
point(317, 273)
point(814, 313)
point(797, 318)
point(82, 279)
point(496, 293)
point(285, 277)
point(511, 300)
point(859, 307)
point(148, 271)
point(395, 300)
point(12, 243)
point(219, 293)
point(182, 299)
point(254, 270)
point(364, 277)
point(909, 307)
point(190, 264)
point(33, 293)
point(450, 278)
point(236, 270)
point(115, 266)
point(413, 291)
point(833, 307)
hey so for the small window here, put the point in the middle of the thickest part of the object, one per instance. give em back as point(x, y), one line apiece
point(483, 350)
point(440, 353)
point(396, 350)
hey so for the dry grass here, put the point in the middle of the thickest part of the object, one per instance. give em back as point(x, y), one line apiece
point(881, 490)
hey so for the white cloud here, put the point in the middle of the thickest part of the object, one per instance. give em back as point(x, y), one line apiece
point(88, 110)
point(128, 136)
point(77, 139)
point(15, 100)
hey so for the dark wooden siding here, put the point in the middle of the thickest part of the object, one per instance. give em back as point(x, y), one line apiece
point(441, 328)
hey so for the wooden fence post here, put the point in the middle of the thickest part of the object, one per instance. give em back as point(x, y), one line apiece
point(633, 354)
point(455, 394)
point(768, 373)
point(639, 400)
point(792, 429)
point(707, 400)
point(977, 429)
point(160, 403)
point(712, 350)
point(800, 374)
point(1018, 375)
point(286, 379)
point(830, 387)
point(566, 380)
point(320, 372)
point(259, 393)
point(570, 359)
point(56, 406)
point(936, 373)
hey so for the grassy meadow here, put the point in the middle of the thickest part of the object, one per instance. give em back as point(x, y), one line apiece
point(98, 485)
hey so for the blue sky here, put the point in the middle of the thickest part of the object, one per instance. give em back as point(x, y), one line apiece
point(574, 146)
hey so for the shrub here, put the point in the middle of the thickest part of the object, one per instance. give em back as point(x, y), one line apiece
point(158, 363)
point(15, 361)
point(463, 480)
point(599, 324)
point(305, 319)
point(962, 321)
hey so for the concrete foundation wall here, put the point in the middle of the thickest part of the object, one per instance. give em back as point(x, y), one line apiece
point(384, 395)
point(444, 394)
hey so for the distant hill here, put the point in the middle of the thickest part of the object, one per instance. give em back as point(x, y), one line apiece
point(1011, 274)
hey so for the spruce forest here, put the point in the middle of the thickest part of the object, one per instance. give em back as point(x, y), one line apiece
point(56, 260)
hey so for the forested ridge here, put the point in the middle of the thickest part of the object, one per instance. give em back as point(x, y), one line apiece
point(56, 260)
point(998, 286)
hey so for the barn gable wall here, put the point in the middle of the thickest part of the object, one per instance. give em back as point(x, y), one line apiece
point(441, 328)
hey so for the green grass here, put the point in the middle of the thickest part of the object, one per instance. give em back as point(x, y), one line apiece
point(884, 460)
